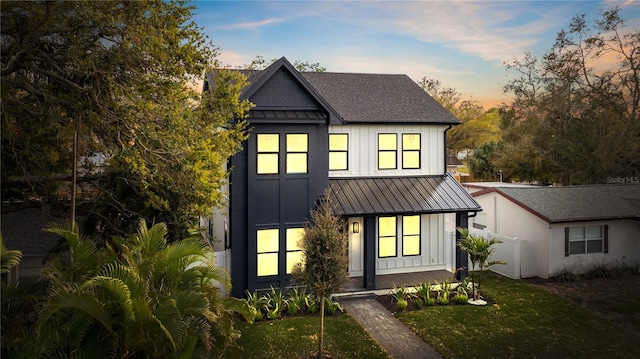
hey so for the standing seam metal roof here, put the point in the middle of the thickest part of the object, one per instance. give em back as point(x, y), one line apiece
point(396, 195)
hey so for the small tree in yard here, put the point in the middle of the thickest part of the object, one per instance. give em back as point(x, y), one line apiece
point(479, 250)
point(324, 247)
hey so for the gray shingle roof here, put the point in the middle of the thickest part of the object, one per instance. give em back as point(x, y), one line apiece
point(578, 203)
point(359, 97)
point(397, 195)
point(378, 98)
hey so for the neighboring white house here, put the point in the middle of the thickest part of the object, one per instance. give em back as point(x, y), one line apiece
point(573, 227)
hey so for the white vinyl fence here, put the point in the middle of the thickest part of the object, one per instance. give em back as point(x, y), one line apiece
point(507, 250)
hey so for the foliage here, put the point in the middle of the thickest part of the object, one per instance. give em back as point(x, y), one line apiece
point(324, 249)
point(478, 126)
point(524, 313)
point(444, 293)
point(121, 73)
point(575, 116)
point(8, 258)
point(139, 297)
point(479, 251)
point(566, 275)
point(255, 303)
point(259, 63)
point(462, 297)
point(424, 291)
point(399, 293)
point(483, 161)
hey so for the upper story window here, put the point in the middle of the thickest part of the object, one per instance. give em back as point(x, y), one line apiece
point(268, 146)
point(297, 153)
point(338, 151)
point(410, 150)
point(387, 151)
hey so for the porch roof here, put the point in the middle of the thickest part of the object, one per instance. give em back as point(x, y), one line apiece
point(398, 195)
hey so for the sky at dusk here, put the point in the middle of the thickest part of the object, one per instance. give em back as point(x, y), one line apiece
point(464, 44)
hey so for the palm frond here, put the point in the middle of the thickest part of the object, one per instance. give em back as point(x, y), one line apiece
point(9, 258)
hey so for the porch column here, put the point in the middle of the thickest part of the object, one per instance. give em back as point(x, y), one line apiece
point(369, 252)
point(462, 259)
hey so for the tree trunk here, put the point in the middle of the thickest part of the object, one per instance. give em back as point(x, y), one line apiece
point(321, 333)
point(76, 129)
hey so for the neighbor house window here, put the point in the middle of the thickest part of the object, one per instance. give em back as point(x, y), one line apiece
point(411, 235)
point(297, 153)
point(267, 160)
point(410, 150)
point(267, 247)
point(338, 151)
point(387, 151)
point(387, 237)
point(294, 252)
point(585, 240)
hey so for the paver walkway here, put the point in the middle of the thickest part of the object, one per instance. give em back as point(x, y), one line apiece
point(393, 335)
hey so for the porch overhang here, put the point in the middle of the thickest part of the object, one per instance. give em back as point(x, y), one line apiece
point(362, 196)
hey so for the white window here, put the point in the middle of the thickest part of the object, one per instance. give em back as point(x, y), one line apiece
point(586, 240)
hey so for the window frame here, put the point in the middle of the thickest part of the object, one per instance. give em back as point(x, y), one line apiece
point(270, 152)
point(385, 151)
point(270, 253)
point(394, 236)
point(296, 152)
point(346, 152)
point(418, 150)
point(603, 239)
point(289, 250)
point(418, 235)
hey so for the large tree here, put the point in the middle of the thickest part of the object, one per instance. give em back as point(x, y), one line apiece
point(119, 76)
point(478, 126)
point(575, 117)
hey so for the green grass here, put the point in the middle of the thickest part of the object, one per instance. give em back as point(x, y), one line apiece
point(526, 322)
point(296, 337)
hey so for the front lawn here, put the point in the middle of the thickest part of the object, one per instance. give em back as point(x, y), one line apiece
point(296, 337)
point(526, 322)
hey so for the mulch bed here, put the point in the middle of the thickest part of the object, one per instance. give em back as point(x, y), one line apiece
point(389, 303)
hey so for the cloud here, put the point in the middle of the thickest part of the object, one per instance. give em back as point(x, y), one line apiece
point(256, 24)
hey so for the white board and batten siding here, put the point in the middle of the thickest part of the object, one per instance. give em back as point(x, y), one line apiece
point(435, 254)
point(363, 150)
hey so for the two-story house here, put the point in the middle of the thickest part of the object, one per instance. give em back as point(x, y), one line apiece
point(378, 142)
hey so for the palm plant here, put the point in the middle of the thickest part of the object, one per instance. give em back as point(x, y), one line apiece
point(148, 298)
point(9, 258)
point(479, 250)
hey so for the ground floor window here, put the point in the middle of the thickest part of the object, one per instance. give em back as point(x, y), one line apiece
point(411, 235)
point(268, 247)
point(585, 240)
point(387, 237)
point(268, 250)
point(388, 229)
point(294, 252)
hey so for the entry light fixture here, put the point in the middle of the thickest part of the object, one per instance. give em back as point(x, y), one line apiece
point(356, 227)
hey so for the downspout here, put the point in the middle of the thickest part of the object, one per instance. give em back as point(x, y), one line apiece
point(446, 153)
